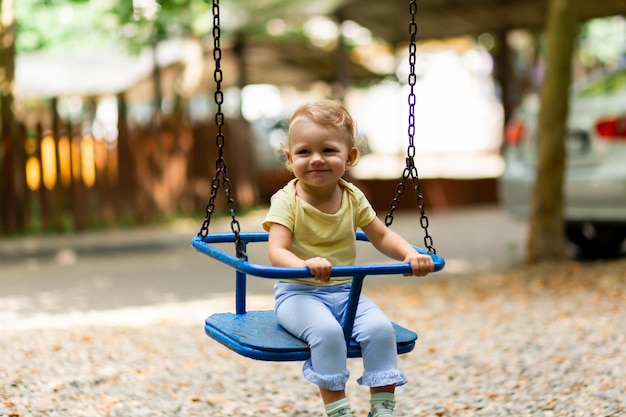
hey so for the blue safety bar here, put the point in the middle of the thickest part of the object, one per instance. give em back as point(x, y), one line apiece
point(256, 334)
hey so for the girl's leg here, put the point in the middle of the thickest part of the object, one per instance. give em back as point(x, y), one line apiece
point(329, 396)
point(387, 388)
point(375, 334)
point(308, 317)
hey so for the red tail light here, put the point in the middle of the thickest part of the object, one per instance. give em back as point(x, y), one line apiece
point(612, 128)
point(515, 132)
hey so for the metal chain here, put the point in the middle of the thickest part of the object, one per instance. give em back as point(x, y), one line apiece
point(221, 172)
point(410, 170)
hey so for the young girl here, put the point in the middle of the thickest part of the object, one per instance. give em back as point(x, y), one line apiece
point(312, 222)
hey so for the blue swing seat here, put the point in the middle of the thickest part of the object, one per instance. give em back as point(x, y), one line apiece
point(256, 334)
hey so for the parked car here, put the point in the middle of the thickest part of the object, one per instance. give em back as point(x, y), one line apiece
point(595, 178)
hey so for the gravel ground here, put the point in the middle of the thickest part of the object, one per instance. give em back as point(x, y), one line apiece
point(545, 340)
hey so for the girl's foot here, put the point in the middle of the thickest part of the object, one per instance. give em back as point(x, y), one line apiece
point(382, 404)
point(339, 408)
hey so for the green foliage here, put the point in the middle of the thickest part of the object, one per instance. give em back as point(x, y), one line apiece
point(78, 24)
point(63, 24)
point(161, 20)
point(609, 85)
point(603, 40)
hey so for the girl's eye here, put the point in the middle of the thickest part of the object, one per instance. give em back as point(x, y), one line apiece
point(302, 152)
point(329, 150)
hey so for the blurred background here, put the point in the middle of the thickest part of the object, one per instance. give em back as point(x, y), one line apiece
point(108, 106)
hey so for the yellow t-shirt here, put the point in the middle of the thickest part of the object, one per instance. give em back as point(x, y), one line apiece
point(315, 233)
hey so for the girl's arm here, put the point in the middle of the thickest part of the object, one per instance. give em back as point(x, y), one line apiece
point(395, 246)
point(280, 254)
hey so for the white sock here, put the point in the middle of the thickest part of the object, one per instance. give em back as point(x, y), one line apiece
point(339, 408)
point(382, 404)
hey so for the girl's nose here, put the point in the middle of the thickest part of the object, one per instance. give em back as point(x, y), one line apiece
point(317, 157)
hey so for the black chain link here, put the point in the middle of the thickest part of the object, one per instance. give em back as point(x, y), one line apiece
point(221, 172)
point(410, 170)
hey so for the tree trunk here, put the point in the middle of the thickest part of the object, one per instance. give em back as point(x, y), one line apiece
point(546, 238)
point(8, 128)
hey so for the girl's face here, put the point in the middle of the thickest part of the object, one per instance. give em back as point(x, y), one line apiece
point(318, 156)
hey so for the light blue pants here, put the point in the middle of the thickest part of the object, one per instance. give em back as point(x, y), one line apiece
point(314, 314)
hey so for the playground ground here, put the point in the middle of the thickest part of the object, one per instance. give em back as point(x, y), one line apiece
point(112, 325)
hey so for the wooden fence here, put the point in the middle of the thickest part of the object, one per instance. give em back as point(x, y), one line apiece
point(56, 175)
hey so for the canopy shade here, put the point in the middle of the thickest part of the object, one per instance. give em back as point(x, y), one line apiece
point(286, 63)
point(448, 18)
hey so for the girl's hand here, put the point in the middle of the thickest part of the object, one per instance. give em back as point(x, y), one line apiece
point(420, 264)
point(320, 268)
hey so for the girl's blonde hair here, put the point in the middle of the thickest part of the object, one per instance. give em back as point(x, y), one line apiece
point(332, 115)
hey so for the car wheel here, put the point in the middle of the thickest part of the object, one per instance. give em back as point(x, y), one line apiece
point(596, 240)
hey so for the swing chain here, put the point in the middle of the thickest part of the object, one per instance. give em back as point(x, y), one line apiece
point(410, 170)
point(221, 172)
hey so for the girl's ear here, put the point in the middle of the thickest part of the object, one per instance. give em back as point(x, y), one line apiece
point(288, 161)
point(352, 157)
